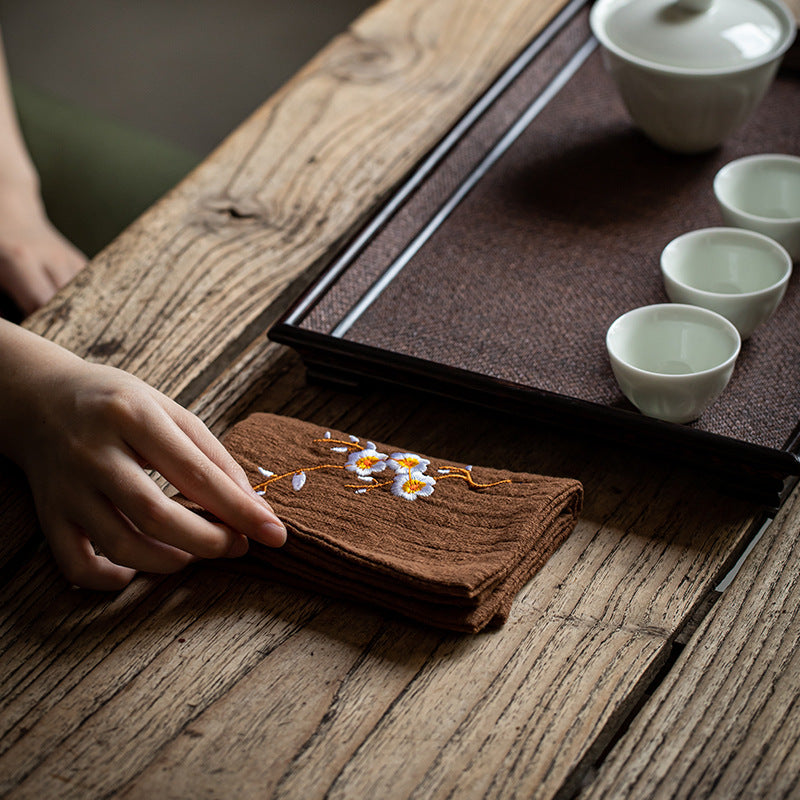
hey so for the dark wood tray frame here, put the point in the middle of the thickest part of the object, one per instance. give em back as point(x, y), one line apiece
point(761, 473)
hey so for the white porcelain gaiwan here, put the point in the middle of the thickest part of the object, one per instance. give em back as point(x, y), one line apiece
point(738, 273)
point(671, 360)
point(691, 72)
point(762, 193)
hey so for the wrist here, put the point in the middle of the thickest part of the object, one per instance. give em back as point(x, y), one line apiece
point(31, 371)
point(19, 171)
point(20, 187)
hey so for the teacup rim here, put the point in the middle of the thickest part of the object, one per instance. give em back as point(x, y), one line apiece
point(745, 234)
point(698, 311)
point(743, 161)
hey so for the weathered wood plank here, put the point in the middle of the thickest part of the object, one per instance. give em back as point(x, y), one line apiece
point(724, 722)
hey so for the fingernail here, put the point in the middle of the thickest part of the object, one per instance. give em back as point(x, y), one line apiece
point(273, 534)
point(239, 547)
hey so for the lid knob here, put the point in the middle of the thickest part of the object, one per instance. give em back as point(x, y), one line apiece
point(694, 5)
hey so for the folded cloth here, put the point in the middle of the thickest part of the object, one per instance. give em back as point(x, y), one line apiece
point(444, 543)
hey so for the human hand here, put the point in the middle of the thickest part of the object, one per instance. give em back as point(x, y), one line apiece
point(35, 259)
point(84, 437)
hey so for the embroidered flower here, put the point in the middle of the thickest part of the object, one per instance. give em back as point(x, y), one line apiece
point(413, 484)
point(409, 480)
point(406, 462)
point(366, 462)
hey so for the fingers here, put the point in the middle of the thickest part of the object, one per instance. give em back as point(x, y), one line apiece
point(33, 274)
point(124, 544)
point(193, 466)
point(124, 550)
point(29, 286)
point(86, 472)
point(209, 445)
point(155, 515)
point(81, 566)
point(64, 263)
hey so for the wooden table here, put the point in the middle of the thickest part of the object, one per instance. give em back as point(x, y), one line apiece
point(617, 675)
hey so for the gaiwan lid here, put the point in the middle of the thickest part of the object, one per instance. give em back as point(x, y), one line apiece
point(695, 35)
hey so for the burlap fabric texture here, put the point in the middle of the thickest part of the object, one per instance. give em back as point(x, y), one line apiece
point(454, 557)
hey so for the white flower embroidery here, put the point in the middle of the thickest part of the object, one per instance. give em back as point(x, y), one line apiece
point(411, 485)
point(406, 462)
point(366, 462)
point(409, 480)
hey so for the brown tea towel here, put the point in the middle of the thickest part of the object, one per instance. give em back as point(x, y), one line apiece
point(445, 543)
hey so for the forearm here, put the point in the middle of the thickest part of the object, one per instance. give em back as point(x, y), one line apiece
point(15, 162)
point(35, 259)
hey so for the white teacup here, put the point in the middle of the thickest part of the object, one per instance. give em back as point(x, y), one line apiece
point(740, 274)
point(762, 193)
point(671, 360)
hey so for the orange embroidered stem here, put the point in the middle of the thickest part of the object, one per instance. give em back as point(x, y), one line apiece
point(340, 441)
point(367, 486)
point(464, 474)
point(264, 484)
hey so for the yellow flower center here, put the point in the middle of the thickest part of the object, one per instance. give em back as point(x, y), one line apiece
point(408, 462)
point(412, 486)
point(365, 462)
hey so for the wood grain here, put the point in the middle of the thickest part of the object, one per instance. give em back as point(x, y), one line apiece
point(213, 683)
point(724, 722)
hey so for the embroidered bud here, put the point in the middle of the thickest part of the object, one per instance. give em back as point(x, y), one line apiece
point(326, 435)
point(265, 472)
point(298, 481)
